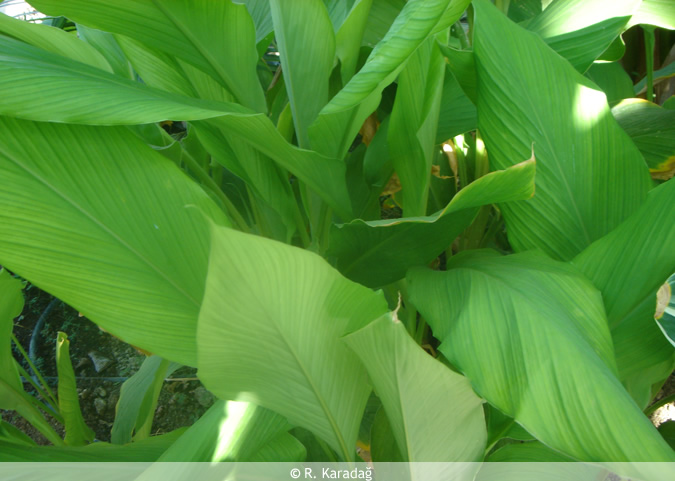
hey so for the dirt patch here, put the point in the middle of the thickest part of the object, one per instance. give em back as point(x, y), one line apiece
point(101, 363)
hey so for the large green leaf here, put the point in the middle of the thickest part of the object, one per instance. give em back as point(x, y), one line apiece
point(411, 384)
point(342, 117)
point(306, 43)
point(590, 175)
point(42, 86)
point(628, 265)
point(531, 335)
point(30, 75)
point(582, 47)
point(77, 431)
point(269, 332)
point(98, 219)
point(216, 37)
point(53, 40)
point(413, 124)
point(376, 253)
point(652, 128)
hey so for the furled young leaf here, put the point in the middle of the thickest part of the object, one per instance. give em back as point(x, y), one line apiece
point(306, 44)
point(341, 119)
point(412, 128)
point(216, 37)
point(628, 266)
point(77, 431)
point(349, 35)
point(411, 384)
point(96, 218)
point(652, 128)
point(590, 175)
point(141, 388)
point(53, 40)
point(531, 335)
point(298, 307)
point(376, 253)
point(228, 431)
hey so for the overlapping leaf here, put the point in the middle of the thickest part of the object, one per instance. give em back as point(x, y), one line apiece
point(96, 218)
point(590, 175)
point(411, 384)
point(531, 335)
point(376, 253)
point(298, 307)
point(652, 128)
point(216, 37)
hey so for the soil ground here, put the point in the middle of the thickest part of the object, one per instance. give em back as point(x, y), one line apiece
point(180, 404)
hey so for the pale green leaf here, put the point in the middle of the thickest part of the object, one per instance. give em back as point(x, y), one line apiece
point(534, 452)
point(77, 431)
point(228, 431)
point(531, 335)
point(298, 306)
point(590, 175)
point(564, 16)
point(411, 384)
point(376, 253)
point(145, 451)
point(216, 37)
point(98, 219)
point(660, 13)
point(306, 44)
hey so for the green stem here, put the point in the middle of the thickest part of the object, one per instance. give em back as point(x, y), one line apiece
point(662, 402)
point(649, 54)
point(51, 397)
point(203, 177)
point(503, 6)
point(421, 331)
point(302, 227)
point(40, 391)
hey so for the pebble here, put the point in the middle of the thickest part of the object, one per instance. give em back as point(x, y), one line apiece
point(99, 405)
point(100, 392)
point(100, 361)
